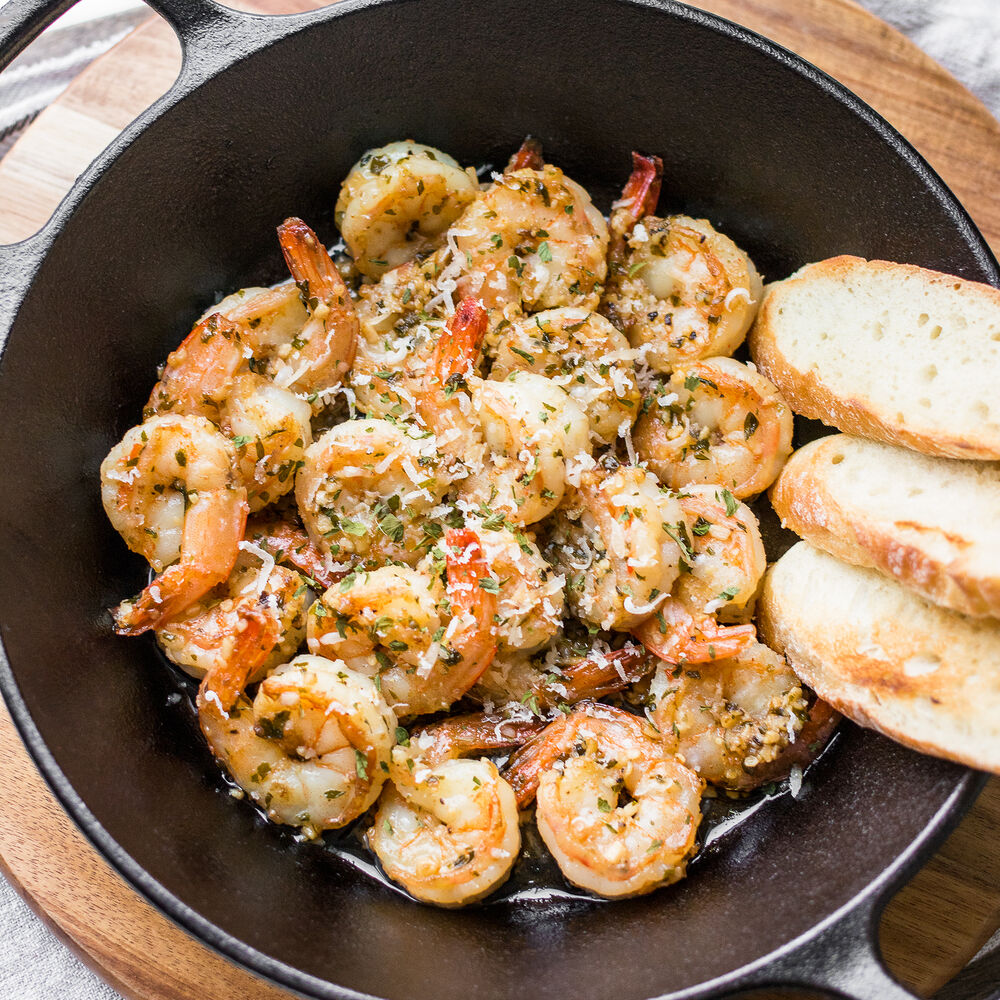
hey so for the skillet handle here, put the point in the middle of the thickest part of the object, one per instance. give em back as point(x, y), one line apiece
point(22, 21)
point(204, 29)
point(843, 960)
point(197, 23)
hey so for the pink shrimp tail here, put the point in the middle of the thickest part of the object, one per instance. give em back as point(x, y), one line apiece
point(208, 530)
point(465, 560)
point(528, 156)
point(642, 190)
point(320, 283)
point(676, 637)
point(524, 771)
point(306, 257)
point(201, 371)
point(467, 570)
point(457, 351)
point(255, 641)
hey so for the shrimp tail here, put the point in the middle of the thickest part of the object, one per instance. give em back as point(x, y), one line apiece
point(528, 156)
point(200, 372)
point(820, 724)
point(475, 733)
point(207, 558)
point(359, 737)
point(675, 636)
point(599, 674)
point(308, 262)
point(642, 189)
point(289, 543)
point(639, 198)
point(525, 768)
point(717, 642)
point(472, 598)
point(457, 351)
point(323, 291)
point(224, 684)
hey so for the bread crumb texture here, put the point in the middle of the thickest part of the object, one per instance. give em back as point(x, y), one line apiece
point(931, 523)
point(885, 657)
point(890, 351)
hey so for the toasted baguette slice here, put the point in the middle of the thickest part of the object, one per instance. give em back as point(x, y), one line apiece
point(887, 351)
point(932, 523)
point(886, 658)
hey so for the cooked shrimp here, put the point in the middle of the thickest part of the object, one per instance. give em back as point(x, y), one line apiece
point(204, 636)
point(198, 377)
point(171, 491)
point(391, 367)
point(728, 718)
point(716, 421)
point(208, 376)
point(443, 403)
point(381, 619)
point(533, 240)
point(530, 600)
point(424, 368)
point(323, 352)
point(726, 559)
point(270, 428)
point(533, 429)
point(684, 289)
point(311, 750)
point(616, 543)
point(676, 286)
point(397, 201)
point(269, 319)
point(725, 562)
point(431, 376)
point(218, 371)
point(365, 487)
point(585, 355)
point(301, 335)
point(529, 596)
point(447, 828)
point(562, 675)
point(578, 769)
point(425, 644)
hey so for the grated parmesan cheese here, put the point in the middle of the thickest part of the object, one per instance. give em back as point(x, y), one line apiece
point(642, 609)
point(795, 781)
point(737, 293)
point(267, 565)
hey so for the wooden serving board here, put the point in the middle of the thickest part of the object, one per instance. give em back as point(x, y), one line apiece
point(935, 924)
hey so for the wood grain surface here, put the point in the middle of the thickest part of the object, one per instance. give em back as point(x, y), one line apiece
point(934, 925)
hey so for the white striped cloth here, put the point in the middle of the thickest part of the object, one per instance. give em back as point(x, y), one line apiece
point(964, 35)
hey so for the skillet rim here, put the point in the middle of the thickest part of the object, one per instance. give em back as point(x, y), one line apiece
point(259, 31)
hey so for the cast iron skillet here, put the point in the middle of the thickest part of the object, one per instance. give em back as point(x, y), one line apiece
point(266, 117)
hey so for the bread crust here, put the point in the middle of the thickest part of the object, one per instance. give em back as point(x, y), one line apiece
point(807, 393)
point(909, 550)
point(886, 658)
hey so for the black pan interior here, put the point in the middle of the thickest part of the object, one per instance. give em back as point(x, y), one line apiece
point(188, 210)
